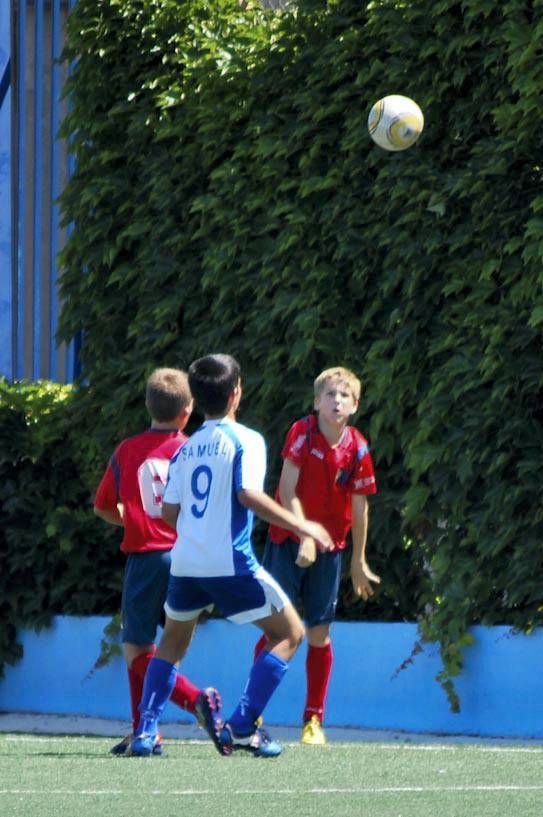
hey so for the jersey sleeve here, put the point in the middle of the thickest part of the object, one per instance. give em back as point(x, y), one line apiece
point(363, 480)
point(252, 464)
point(295, 446)
point(107, 493)
point(171, 491)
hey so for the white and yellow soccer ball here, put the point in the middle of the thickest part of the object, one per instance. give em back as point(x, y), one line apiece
point(395, 122)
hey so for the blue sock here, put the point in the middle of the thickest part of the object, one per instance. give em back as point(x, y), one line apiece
point(265, 676)
point(157, 688)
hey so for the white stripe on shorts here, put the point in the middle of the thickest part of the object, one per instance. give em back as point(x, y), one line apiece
point(276, 598)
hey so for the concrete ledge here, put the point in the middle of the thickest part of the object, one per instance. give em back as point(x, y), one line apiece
point(62, 725)
point(500, 688)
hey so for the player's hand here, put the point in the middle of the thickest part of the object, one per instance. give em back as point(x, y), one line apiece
point(307, 552)
point(361, 576)
point(373, 577)
point(317, 532)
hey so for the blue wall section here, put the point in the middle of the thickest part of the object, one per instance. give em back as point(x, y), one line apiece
point(5, 199)
point(500, 688)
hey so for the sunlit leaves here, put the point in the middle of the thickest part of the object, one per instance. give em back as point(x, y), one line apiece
point(55, 557)
point(227, 197)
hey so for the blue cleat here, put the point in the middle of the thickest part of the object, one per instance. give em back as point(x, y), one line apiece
point(124, 746)
point(145, 745)
point(258, 743)
point(208, 712)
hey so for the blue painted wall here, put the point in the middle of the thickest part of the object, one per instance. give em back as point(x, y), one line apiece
point(5, 199)
point(33, 169)
point(500, 687)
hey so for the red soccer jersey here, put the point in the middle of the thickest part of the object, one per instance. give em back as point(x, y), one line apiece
point(136, 476)
point(328, 477)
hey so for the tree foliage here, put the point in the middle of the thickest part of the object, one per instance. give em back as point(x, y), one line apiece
point(226, 196)
point(54, 556)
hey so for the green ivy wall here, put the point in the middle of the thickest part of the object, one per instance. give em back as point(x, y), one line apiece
point(227, 197)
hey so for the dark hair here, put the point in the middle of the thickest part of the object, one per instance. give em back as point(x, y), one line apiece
point(167, 394)
point(212, 379)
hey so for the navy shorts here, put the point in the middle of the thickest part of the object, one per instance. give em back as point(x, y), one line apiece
point(316, 588)
point(145, 586)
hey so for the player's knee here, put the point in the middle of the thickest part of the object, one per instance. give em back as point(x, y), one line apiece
point(298, 635)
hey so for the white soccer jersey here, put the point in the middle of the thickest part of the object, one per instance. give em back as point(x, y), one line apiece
point(213, 528)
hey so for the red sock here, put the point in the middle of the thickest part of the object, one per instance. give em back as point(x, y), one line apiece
point(184, 693)
point(136, 674)
point(260, 645)
point(318, 668)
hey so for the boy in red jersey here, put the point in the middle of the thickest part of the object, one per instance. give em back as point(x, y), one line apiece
point(327, 473)
point(130, 495)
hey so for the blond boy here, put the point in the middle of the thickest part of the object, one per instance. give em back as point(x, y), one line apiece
point(326, 476)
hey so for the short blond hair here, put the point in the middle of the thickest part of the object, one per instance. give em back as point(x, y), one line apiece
point(338, 373)
point(167, 393)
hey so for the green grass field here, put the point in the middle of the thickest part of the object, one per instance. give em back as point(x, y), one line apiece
point(46, 776)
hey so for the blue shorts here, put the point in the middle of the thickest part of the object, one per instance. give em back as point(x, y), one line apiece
point(240, 599)
point(145, 586)
point(316, 587)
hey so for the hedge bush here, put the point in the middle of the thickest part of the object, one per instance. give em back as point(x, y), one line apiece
point(55, 558)
point(227, 197)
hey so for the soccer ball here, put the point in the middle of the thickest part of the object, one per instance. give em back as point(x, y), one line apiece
point(395, 122)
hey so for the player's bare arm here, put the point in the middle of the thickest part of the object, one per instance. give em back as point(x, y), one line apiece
point(170, 512)
point(270, 511)
point(361, 575)
point(307, 552)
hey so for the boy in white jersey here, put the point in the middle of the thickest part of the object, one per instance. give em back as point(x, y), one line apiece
point(215, 485)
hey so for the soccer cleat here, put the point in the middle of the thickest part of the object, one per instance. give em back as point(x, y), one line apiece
point(208, 713)
point(259, 743)
point(313, 733)
point(158, 748)
point(124, 746)
point(144, 745)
